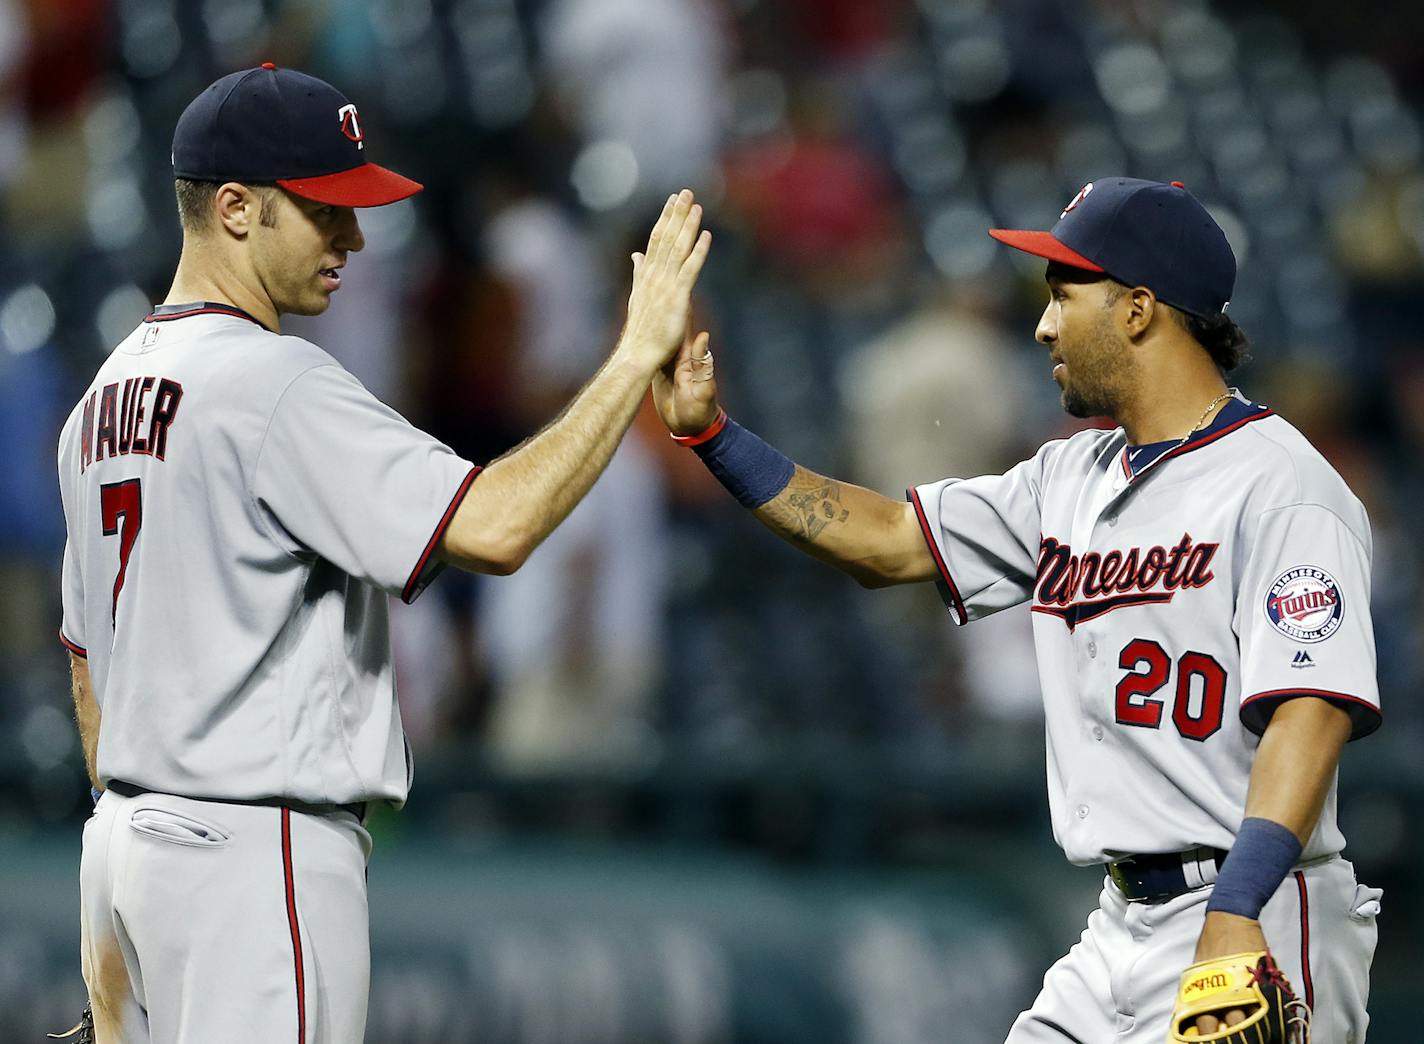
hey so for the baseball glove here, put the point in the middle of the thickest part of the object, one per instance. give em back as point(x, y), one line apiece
point(1246, 982)
point(83, 1033)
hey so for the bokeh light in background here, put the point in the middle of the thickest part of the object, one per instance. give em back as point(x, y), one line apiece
point(675, 782)
point(27, 319)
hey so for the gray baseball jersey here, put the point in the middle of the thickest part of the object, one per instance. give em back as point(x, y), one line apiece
point(1175, 606)
point(238, 509)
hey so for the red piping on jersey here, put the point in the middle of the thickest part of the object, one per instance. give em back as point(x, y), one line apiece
point(958, 605)
point(409, 591)
point(1323, 693)
point(207, 309)
point(1349, 703)
point(1306, 982)
point(1198, 443)
point(292, 924)
point(1212, 436)
point(77, 650)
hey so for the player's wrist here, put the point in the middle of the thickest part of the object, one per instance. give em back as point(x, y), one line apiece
point(1226, 933)
point(749, 468)
point(635, 358)
point(1222, 918)
point(1260, 858)
point(691, 435)
point(640, 354)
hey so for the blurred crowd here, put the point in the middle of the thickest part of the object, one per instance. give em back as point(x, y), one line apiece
point(851, 156)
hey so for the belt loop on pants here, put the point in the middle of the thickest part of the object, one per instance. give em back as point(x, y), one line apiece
point(1157, 878)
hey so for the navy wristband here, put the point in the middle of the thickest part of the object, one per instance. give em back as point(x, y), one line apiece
point(752, 471)
point(1263, 854)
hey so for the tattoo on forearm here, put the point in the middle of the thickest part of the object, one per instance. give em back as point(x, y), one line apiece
point(806, 507)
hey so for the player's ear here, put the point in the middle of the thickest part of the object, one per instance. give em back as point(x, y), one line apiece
point(237, 207)
point(1140, 304)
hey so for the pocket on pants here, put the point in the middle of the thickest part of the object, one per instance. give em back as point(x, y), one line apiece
point(178, 828)
point(1365, 906)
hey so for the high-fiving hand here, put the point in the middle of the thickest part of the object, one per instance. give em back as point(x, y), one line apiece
point(685, 390)
point(661, 299)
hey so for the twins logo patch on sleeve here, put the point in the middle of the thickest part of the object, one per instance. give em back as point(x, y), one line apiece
point(1305, 604)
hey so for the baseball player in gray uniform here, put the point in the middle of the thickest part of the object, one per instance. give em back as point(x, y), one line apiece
point(1199, 586)
point(239, 510)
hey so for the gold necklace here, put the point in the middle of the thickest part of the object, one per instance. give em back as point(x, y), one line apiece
point(1205, 414)
point(1182, 441)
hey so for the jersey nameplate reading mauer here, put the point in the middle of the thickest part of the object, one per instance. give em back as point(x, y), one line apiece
point(120, 419)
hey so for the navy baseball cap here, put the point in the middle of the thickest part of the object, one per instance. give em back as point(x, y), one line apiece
point(1142, 233)
point(279, 125)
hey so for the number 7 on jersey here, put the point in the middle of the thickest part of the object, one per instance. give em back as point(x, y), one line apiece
point(121, 511)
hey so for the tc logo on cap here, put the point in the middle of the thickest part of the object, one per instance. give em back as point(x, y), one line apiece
point(351, 125)
point(1082, 195)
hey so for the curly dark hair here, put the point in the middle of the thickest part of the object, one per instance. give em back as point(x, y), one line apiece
point(1224, 341)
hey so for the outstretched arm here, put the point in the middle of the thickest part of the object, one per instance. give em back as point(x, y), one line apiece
point(876, 540)
point(520, 498)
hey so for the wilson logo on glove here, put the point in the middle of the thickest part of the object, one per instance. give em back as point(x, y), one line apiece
point(1246, 982)
point(1209, 982)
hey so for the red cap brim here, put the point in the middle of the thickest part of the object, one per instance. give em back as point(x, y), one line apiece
point(365, 186)
point(1042, 244)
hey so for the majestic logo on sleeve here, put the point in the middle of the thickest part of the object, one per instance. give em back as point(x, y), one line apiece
point(1081, 589)
point(1305, 604)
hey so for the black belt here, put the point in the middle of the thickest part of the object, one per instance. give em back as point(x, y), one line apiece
point(356, 808)
point(1156, 878)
